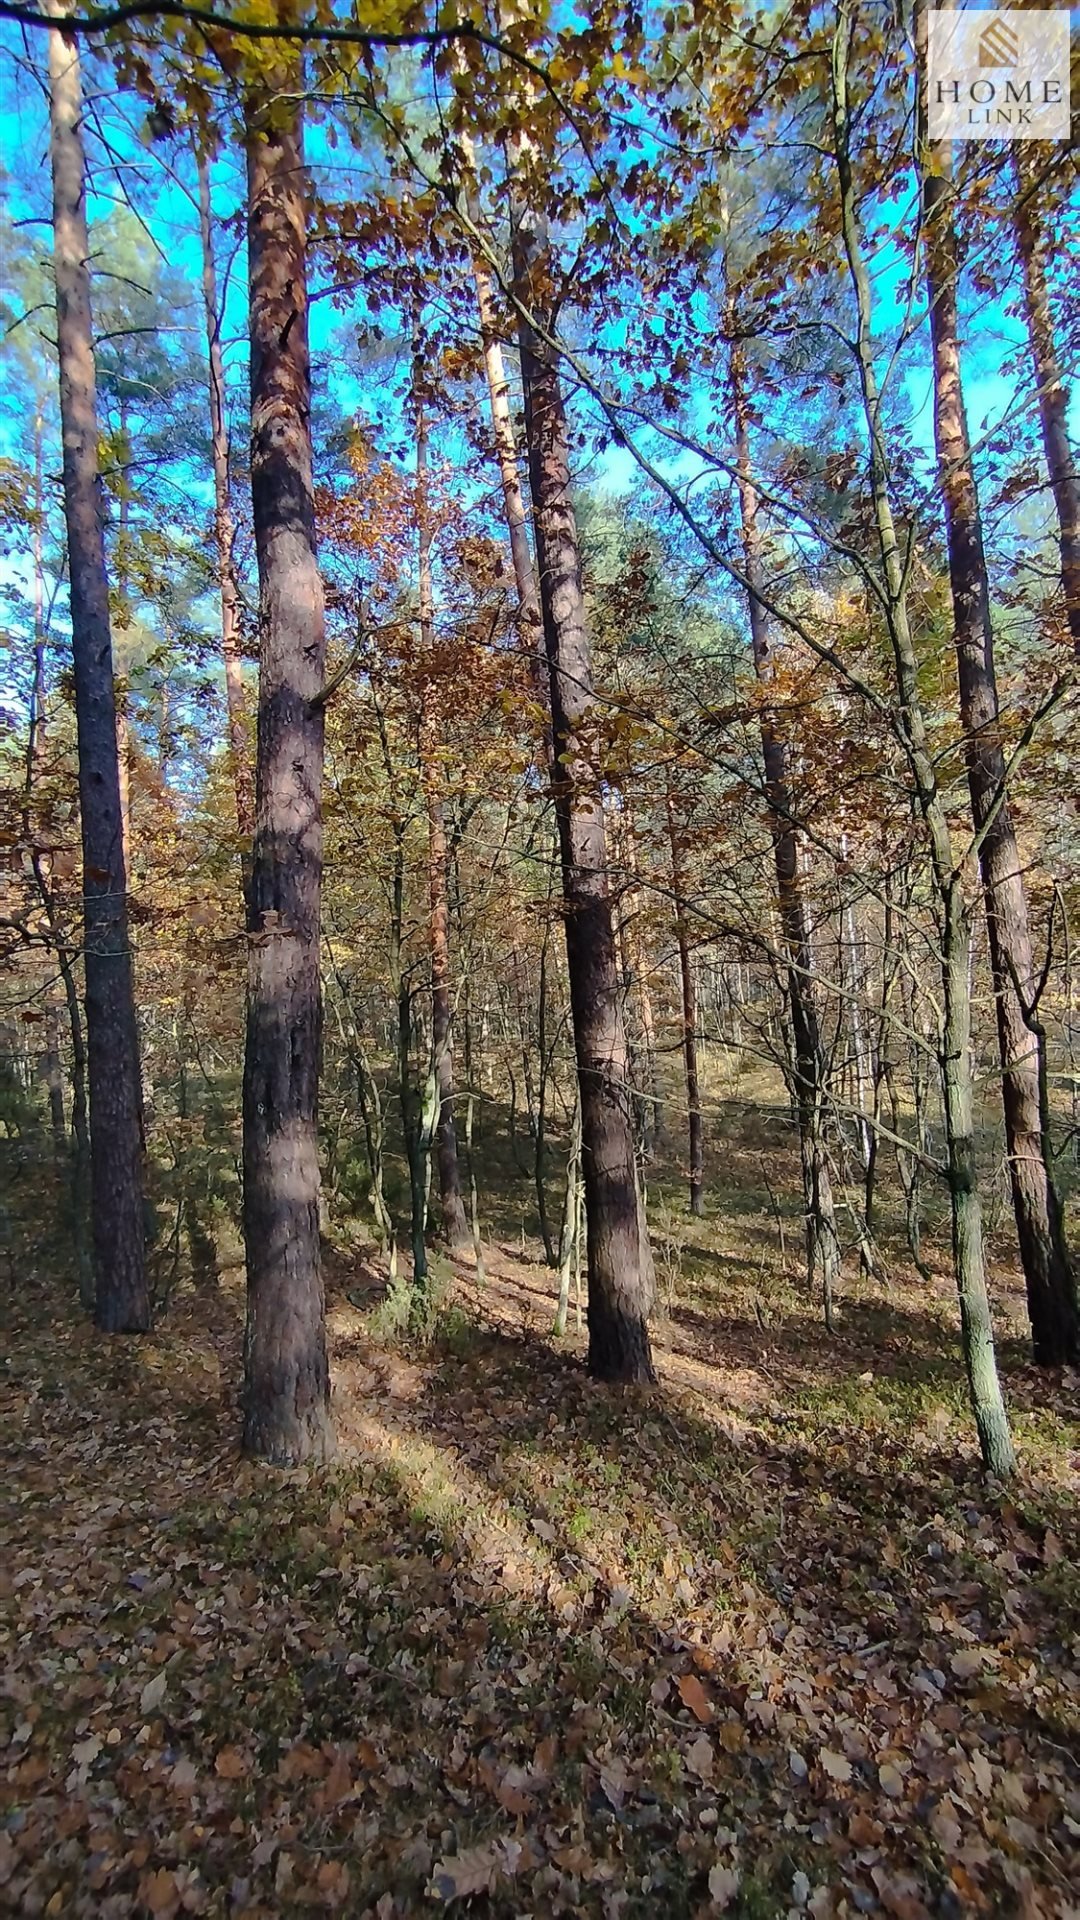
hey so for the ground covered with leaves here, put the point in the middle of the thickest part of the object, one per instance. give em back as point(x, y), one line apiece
point(762, 1642)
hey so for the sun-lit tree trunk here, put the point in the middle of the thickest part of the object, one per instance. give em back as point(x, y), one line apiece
point(1050, 1284)
point(410, 1098)
point(224, 524)
point(543, 1060)
point(808, 1055)
point(689, 1014)
point(637, 994)
point(620, 1287)
point(125, 746)
point(976, 1324)
point(571, 1224)
point(287, 1381)
point(121, 1300)
point(1049, 379)
point(502, 427)
point(455, 1225)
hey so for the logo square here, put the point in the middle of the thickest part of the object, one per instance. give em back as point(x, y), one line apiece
point(998, 73)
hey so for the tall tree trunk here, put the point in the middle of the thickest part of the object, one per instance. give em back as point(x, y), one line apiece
point(822, 1239)
point(122, 680)
point(637, 998)
point(620, 1267)
point(455, 1225)
point(53, 1075)
point(570, 1228)
point(689, 1016)
point(1051, 1289)
point(640, 967)
point(976, 1321)
point(224, 524)
point(410, 1099)
point(121, 1301)
point(543, 1058)
point(502, 425)
point(1052, 391)
point(287, 1381)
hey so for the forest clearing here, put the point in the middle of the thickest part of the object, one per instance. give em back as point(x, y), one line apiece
point(540, 1022)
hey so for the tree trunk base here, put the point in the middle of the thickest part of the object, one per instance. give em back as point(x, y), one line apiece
point(122, 1310)
point(283, 1439)
point(619, 1350)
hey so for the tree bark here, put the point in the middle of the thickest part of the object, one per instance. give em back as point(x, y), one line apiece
point(502, 426)
point(620, 1284)
point(121, 1300)
point(689, 1017)
point(1048, 1276)
point(822, 1239)
point(455, 1225)
point(287, 1383)
point(1052, 391)
point(224, 524)
point(125, 746)
point(976, 1321)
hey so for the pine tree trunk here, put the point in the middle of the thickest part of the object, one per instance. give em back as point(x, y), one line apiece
point(1053, 393)
point(502, 426)
point(455, 1225)
point(543, 1064)
point(620, 1285)
point(224, 525)
point(689, 1018)
point(287, 1382)
point(639, 965)
point(121, 1301)
point(808, 1061)
point(1051, 1290)
point(987, 1400)
point(976, 1326)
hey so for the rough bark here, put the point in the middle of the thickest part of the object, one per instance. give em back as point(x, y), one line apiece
point(121, 1300)
point(1052, 390)
point(287, 1384)
point(224, 524)
point(455, 1225)
point(689, 1016)
point(620, 1284)
point(1048, 1276)
point(808, 1057)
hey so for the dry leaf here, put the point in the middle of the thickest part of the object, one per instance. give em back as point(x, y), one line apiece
point(723, 1885)
point(153, 1693)
point(693, 1695)
point(836, 1765)
point(700, 1757)
point(891, 1780)
point(231, 1764)
point(966, 1663)
point(511, 1797)
point(159, 1891)
point(473, 1870)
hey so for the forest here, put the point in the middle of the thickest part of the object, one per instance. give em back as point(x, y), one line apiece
point(540, 1021)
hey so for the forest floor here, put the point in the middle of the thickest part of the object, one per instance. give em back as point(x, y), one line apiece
point(761, 1641)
